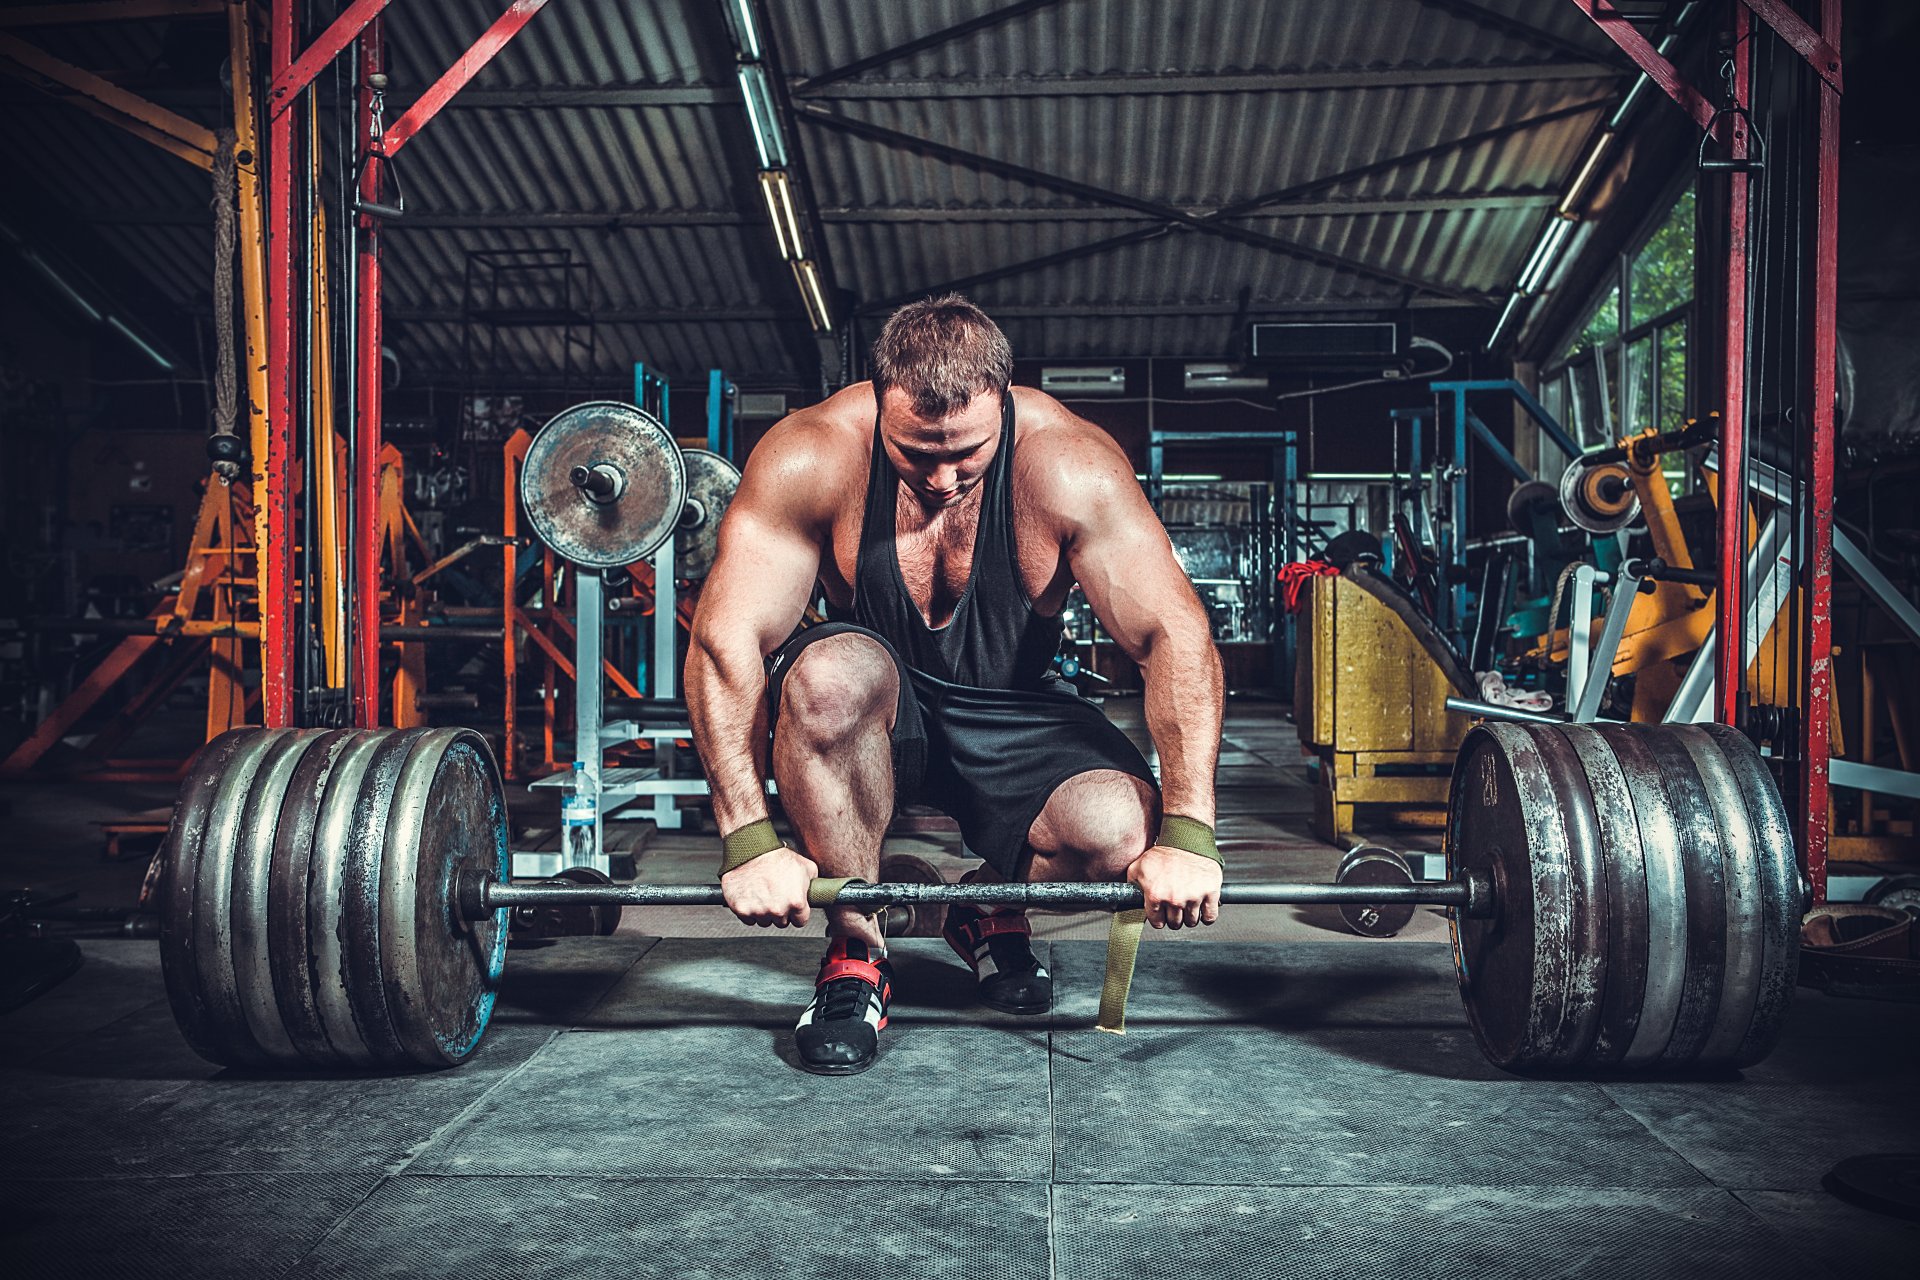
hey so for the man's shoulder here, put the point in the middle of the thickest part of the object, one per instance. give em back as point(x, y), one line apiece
point(827, 436)
point(1063, 460)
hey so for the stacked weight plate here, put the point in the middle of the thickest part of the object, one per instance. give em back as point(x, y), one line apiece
point(1649, 897)
point(309, 911)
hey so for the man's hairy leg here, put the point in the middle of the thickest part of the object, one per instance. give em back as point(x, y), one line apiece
point(833, 761)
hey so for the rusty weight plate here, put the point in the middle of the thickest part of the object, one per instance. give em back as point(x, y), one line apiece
point(1696, 828)
point(204, 815)
point(711, 481)
point(1504, 820)
point(1623, 863)
point(1374, 864)
point(290, 945)
point(918, 919)
point(1782, 893)
point(440, 972)
point(635, 452)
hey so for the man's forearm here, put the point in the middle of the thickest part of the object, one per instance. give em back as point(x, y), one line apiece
point(1183, 696)
point(726, 700)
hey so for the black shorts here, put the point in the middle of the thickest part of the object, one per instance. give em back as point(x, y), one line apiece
point(991, 758)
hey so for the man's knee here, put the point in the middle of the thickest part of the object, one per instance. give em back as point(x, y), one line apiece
point(1099, 819)
point(835, 688)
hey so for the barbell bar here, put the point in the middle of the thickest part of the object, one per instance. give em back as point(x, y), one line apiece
point(481, 892)
point(1621, 897)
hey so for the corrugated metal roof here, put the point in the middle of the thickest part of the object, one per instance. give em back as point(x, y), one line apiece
point(612, 134)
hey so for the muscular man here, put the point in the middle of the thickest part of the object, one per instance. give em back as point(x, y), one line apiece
point(945, 514)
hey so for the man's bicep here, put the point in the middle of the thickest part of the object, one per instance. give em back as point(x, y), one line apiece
point(1125, 564)
point(761, 579)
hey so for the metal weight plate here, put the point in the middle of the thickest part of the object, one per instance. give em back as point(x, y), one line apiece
point(1624, 864)
point(252, 959)
point(711, 481)
point(533, 924)
point(1697, 833)
point(207, 775)
point(363, 888)
point(439, 972)
point(1782, 892)
point(326, 895)
point(1587, 496)
point(1502, 821)
point(1588, 968)
point(213, 911)
point(290, 949)
point(1374, 864)
point(1740, 860)
point(633, 454)
point(912, 920)
point(1665, 896)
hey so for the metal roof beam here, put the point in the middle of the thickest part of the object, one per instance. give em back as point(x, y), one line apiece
point(1514, 28)
point(1098, 195)
point(663, 219)
point(1223, 82)
point(1497, 133)
point(933, 40)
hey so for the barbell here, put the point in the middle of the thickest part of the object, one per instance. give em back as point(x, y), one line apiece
point(605, 483)
point(1622, 897)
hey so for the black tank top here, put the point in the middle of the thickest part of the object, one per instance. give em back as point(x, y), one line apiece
point(995, 640)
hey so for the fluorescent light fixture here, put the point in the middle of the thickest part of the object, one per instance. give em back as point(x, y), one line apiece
point(1550, 240)
point(1507, 313)
point(808, 278)
point(1183, 477)
point(1084, 380)
point(778, 191)
point(739, 15)
point(1600, 145)
point(1221, 377)
point(758, 93)
point(113, 322)
point(59, 282)
point(1664, 48)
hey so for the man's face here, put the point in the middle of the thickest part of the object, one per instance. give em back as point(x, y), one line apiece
point(940, 461)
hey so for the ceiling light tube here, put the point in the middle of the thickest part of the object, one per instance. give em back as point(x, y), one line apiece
point(59, 282)
point(770, 179)
point(810, 293)
point(758, 94)
point(792, 219)
point(1550, 242)
point(166, 365)
point(739, 15)
point(1506, 317)
point(1600, 145)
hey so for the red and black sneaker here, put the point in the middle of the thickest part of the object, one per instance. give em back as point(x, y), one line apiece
point(839, 1031)
point(999, 949)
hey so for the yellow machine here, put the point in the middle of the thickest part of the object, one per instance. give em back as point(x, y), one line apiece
point(1370, 693)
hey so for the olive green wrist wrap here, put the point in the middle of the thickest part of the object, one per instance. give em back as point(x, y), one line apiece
point(748, 843)
point(1188, 835)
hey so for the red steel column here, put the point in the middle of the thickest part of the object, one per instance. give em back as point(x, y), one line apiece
point(1819, 590)
point(276, 597)
point(1731, 656)
point(364, 521)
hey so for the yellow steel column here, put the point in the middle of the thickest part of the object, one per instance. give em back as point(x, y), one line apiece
point(253, 274)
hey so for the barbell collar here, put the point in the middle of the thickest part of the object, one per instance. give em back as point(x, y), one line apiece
point(480, 893)
point(603, 482)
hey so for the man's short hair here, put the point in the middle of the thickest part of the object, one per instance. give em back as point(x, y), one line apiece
point(942, 352)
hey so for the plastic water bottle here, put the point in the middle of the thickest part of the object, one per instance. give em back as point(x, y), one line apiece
point(576, 816)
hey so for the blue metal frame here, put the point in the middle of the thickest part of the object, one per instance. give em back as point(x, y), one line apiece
point(650, 393)
point(720, 406)
point(1453, 560)
point(1285, 479)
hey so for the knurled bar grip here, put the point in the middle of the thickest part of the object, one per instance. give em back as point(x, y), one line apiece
point(480, 894)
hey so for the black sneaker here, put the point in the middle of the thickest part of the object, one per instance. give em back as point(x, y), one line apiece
point(839, 1031)
point(999, 950)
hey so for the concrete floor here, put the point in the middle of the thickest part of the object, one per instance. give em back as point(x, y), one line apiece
point(1289, 1100)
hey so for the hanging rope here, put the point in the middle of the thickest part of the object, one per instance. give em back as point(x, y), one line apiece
point(223, 443)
